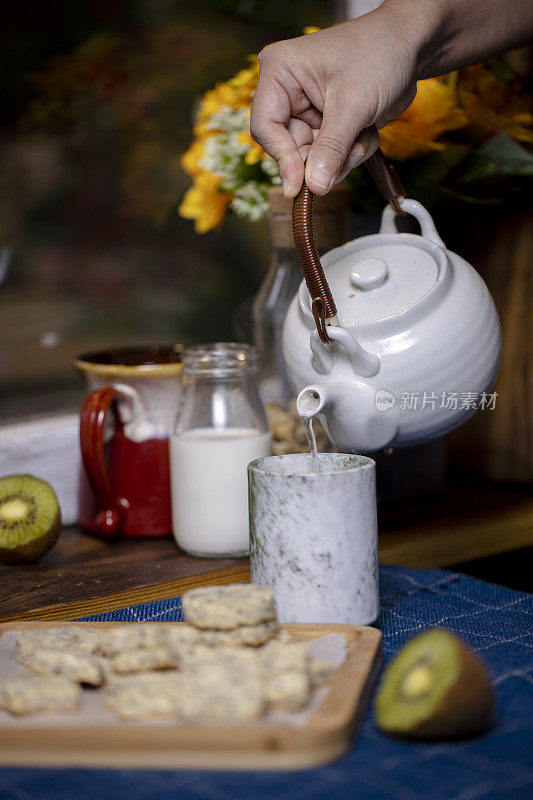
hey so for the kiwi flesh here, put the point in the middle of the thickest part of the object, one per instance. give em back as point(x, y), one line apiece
point(436, 688)
point(30, 518)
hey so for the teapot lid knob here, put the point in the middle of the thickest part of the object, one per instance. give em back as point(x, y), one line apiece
point(369, 273)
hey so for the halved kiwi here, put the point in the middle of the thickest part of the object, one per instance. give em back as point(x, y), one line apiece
point(30, 519)
point(436, 688)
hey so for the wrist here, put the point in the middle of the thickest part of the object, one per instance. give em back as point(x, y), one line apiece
point(422, 24)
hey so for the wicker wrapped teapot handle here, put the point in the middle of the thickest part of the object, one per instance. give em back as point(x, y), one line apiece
point(322, 302)
point(387, 180)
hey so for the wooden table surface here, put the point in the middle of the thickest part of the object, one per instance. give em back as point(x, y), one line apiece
point(83, 575)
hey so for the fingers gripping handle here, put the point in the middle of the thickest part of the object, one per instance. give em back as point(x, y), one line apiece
point(112, 512)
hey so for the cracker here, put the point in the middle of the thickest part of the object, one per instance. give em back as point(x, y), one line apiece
point(282, 636)
point(217, 694)
point(241, 658)
point(78, 636)
point(285, 657)
point(287, 684)
point(287, 691)
point(145, 698)
point(77, 666)
point(155, 658)
point(128, 637)
point(178, 635)
point(321, 670)
point(145, 635)
point(224, 608)
point(38, 694)
point(142, 696)
point(245, 635)
point(140, 679)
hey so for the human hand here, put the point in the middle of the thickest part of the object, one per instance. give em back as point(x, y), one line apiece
point(320, 98)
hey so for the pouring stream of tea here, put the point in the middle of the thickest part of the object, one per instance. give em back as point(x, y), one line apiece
point(311, 440)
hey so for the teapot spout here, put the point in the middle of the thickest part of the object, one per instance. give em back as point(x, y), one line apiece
point(349, 415)
point(312, 400)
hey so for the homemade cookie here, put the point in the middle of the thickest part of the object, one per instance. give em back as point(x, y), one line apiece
point(282, 636)
point(148, 696)
point(321, 670)
point(143, 694)
point(32, 695)
point(244, 636)
point(218, 693)
point(128, 637)
point(223, 608)
point(178, 635)
point(236, 658)
point(75, 665)
point(285, 657)
point(154, 658)
point(286, 691)
point(77, 636)
point(285, 667)
point(145, 635)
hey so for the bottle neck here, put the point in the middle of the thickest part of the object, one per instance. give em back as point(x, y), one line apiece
point(224, 360)
point(242, 376)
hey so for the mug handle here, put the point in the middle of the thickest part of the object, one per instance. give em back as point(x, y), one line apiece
point(111, 517)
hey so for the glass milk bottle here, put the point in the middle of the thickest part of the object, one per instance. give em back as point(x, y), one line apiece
point(220, 427)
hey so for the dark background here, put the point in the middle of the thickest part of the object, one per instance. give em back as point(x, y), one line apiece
point(97, 107)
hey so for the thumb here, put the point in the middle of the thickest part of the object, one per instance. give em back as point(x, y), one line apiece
point(342, 123)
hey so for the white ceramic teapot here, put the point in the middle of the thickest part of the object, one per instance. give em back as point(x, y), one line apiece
point(417, 344)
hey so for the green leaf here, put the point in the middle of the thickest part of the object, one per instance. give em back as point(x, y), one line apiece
point(424, 176)
point(499, 157)
point(501, 71)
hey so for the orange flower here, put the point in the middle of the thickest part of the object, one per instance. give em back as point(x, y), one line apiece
point(204, 203)
point(492, 105)
point(433, 112)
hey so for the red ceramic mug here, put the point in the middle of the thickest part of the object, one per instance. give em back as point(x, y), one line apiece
point(125, 424)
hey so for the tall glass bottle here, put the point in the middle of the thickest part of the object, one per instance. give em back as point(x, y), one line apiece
point(281, 282)
point(220, 427)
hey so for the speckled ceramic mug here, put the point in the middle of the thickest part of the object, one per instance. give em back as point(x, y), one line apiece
point(313, 536)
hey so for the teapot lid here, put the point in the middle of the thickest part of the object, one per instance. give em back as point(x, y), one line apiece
point(383, 275)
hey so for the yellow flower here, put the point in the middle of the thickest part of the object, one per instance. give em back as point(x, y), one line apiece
point(204, 203)
point(492, 105)
point(433, 112)
point(255, 152)
point(209, 104)
point(190, 159)
point(235, 93)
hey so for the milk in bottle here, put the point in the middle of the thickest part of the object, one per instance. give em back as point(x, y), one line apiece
point(221, 426)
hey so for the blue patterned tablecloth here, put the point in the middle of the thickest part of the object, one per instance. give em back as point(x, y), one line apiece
point(497, 622)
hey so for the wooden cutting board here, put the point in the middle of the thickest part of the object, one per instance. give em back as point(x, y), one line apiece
point(325, 736)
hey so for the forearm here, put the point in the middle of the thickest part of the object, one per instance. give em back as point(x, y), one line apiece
point(450, 34)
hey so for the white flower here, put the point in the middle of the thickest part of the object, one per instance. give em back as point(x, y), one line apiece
point(270, 167)
point(250, 201)
point(229, 119)
point(223, 157)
